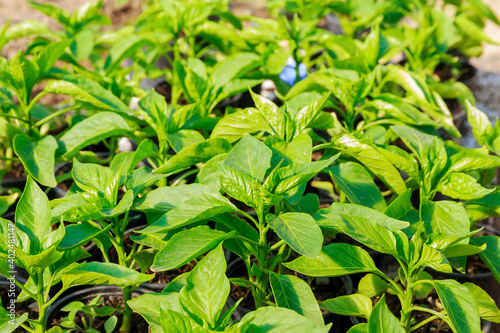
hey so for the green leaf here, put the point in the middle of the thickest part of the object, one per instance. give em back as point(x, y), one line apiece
point(430, 152)
point(375, 236)
point(274, 116)
point(37, 157)
point(372, 285)
point(198, 208)
point(166, 198)
point(92, 130)
point(402, 209)
point(110, 324)
point(184, 138)
point(295, 294)
point(308, 114)
point(297, 174)
point(196, 153)
point(299, 230)
point(374, 161)
point(90, 93)
point(275, 320)
point(6, 201)
point(173, 322)
point(59, 14)
point(140, 179)
point(123, 49)
point(382, 320)
point(207, 288)
point(83, 44)
point(50, 54)
point(7, 130)
point(488, 309)
point(244, 188)
point(446, 217)
point(326, 217)
point(233, 126)
point(299, 150)
point(336, 259)
point(351, 305)
point(469, 159)
point(491, 254)
point(95, 179)
point(250, 156)
point(33, 215)
point(460, 305)
point(232, 67)
point(150, 304)
point(79, 234)
point(187, 245)
point(27, 28)
point(359, 328)
point(358, 185)
point(463, 187)
point(480, 123)
point(423, 290)
point(105, 274)
point(7, 324)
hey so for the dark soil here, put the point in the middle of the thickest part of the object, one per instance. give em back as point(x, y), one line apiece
point(17, 171)
point(139, 324)
point(164, 278)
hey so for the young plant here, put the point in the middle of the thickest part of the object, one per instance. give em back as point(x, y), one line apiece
point(24, 124)
point(90, 312)
point(49, 257)
point(93, 203)
point(195, 301)
point(278, 202)
point(277, 126)
point(463, 304)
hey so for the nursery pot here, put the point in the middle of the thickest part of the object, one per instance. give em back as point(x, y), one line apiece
point(108, 293)
point(237, 268)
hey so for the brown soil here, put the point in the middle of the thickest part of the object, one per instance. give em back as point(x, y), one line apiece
point(16, 172)
point(164, 278)
point(138, 322)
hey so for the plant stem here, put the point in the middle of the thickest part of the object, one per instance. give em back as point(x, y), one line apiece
point(127, 311)
point(263, 278)
point(422, 323)
point(54, 115)
point(41, 305)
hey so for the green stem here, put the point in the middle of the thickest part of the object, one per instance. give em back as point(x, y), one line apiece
point(127, 311)
point(14, 159)
point(263, 278)
point(54, 115)
point(42, 314)
point(239, 280)
point(422, 323)
point(435, 313)
point(27, 328)
point(184, 176)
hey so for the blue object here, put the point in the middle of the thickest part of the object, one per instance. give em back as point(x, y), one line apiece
point(289, 74)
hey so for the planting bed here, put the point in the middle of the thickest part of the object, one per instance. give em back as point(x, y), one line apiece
point(264, 166)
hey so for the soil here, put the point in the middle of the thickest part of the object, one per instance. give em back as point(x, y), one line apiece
point(164, 278)
point(139, 324)
point(16, 172)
